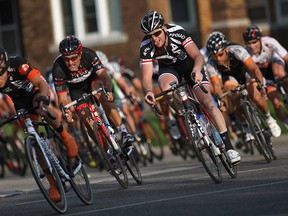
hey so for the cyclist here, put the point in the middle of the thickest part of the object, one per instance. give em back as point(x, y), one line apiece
point(177, 56)
point(79, 70)
point(270, 57)
point(236, 67)
point(27, 87)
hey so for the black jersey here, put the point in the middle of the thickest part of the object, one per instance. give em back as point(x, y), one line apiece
point(64, 78)
point(19, 74)
point(175, 52)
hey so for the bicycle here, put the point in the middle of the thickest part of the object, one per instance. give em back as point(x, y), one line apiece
point(256, 121)
point(46, 156)
point(203, 134)
point(282, 90)
point(11, 155)
point(149, 142)
point(108, 145)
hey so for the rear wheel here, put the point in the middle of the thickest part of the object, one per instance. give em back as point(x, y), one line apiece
point(40, 172)
point(153, 138)
point(258, 129)
point(79, 180)
point(113, 160)
point(132, 166)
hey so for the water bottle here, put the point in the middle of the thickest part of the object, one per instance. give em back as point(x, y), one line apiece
point(204, 122)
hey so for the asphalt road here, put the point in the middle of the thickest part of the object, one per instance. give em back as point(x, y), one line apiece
point(171, 187)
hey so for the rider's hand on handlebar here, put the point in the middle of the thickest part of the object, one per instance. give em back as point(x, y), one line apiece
point(68, 116)
point(149, 98)
point(196, 76)
point(110, 96)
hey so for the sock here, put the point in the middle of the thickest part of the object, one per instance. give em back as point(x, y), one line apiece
point(122, 128)
point(226, 140)
point(267, 115)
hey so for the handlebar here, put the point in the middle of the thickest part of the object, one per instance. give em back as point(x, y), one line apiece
point(24, 112)
point(174, 86)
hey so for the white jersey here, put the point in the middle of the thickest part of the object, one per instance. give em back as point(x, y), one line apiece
point(271, 51)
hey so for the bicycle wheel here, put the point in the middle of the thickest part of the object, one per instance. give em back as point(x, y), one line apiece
point(153, 139)
point(34, 156)
point(258, 129)
point(204, 151)
point(229, 167)
point(113, 161)
point(15, 158)
point(79, 181)
point(132, 166)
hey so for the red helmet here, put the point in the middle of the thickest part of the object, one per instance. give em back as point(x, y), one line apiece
point(70, 45)
point(251, 33)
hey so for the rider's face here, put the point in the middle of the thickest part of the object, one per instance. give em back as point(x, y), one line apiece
point(221, 57)
point(72, 61)
point(158, 37)
point(3, 78)
point(254, 46)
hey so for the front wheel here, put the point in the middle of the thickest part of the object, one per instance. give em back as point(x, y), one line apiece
point(203, 148)
point(43, 172)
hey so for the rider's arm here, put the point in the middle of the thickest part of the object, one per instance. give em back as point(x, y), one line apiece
point(195, 54)
point(250, 64)
point(105, 78)
point(39, 81)
point(146, 73)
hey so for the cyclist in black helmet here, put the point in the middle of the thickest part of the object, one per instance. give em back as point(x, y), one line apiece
point(236, 67)
point(178, 57)
point(79, 71)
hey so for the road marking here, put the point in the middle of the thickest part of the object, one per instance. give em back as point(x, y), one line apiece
point(180, 197)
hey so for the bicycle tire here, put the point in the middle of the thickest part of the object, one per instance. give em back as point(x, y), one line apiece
point(257, 127)
point(121, 174)
point(80, 181)
point(153, 139)
point(204, 151)
point(132, 166)
point(2, 160)
point(15, 158)
point(225, 160)
point(31, 146)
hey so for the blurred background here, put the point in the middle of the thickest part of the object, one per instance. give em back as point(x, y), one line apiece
point(33, 29)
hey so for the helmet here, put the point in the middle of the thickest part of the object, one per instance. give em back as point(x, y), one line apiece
point(4, 60)
point(70, 45)
point(216, 42)
point(251, 33)
point(103, 58)
point(151, 21)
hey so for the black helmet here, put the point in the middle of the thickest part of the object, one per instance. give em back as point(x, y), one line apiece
point(216, 42)
point(251, 33)
point(4, 60)
point(151, 21)
point(70, 45)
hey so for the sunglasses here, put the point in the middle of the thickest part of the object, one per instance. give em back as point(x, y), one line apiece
point(252, 42)
point(155, 34)
point(219, 54)
point(73, 58)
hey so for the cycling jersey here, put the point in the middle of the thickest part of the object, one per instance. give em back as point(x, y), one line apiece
point(271, 51)
point(237, 56)
point(78, 82)
point(172, 59)
point(18, 85)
